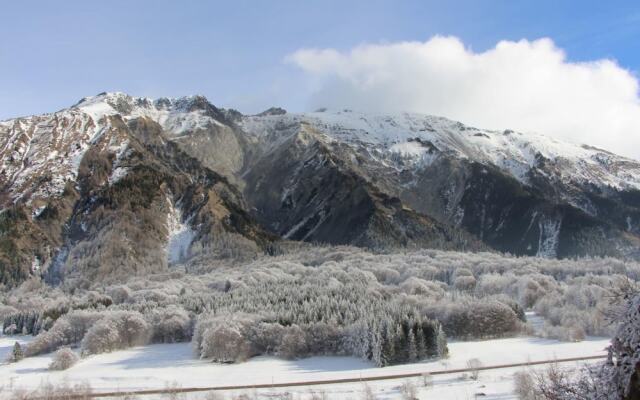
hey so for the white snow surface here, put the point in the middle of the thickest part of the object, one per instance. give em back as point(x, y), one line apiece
point(162, 365)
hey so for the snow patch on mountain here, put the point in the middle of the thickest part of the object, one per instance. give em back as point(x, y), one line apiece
point(549, 237)
point(37, 211)
point(180, 235)
point(173, 115)
point(35, 264)
point(414, 152)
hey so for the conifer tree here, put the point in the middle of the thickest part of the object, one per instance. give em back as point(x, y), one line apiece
point(412, 348)
point(17, 354)
point(420, 343)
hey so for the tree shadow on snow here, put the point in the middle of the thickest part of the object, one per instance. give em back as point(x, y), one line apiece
point(328, 364)
point(157, 356)
point(30, 370)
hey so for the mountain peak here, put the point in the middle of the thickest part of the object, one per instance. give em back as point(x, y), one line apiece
point(273, 111)
point(110, 103)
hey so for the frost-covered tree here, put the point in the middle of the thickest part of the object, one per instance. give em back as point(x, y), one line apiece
point(170, 324)
point(67, 330)
point(293, 344)
point(622, 369)
point(103, 337)
point(387, 308)
point(63, 359)
point(117, 330)
point(224, 343)
point(17, 353)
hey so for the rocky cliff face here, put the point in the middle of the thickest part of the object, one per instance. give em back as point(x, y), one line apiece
point(118, 185)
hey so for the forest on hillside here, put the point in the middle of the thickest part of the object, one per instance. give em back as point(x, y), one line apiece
point(323, 300)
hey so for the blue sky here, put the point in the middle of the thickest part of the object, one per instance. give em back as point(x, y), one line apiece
point(54, 53)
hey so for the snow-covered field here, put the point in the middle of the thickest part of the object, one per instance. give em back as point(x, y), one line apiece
point(170, 365)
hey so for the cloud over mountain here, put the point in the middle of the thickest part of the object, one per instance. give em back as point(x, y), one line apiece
point(524, 85)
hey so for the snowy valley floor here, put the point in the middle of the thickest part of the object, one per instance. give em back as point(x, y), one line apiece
point(174, 365)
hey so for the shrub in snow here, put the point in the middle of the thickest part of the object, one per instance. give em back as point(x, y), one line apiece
point(63, 359)
point(474, 318)
point(324, 339)
point(386, 275)
point(462, 271)
point(265, 337)
point(172, 392)
point(408, 391)
point(67, 330)
point(119, 294)
point(155, 297)
point(214, 396)
point(132, 327)
point(474, 366)
point(223, 337)
point(93, 299)
point(293, 343)
point(16, 354)
point(103, 337)
point(224, 343)
point(531, 288)
point(555, 383)
point(465, 283)
point(525, 386)
point(11, 329)
point(512, 303)
point(421, 287)
point(367, 392)
point(170, 324)
point(117, 330)
point(48, 391)
point(569, 334)
point(427, 379)
point(494, 284)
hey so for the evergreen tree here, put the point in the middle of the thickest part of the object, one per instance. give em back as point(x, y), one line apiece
point(400, 347)
point(388, 346)
point(421, 343)
point(412, 348)
point(441, 343)
point(17, 354)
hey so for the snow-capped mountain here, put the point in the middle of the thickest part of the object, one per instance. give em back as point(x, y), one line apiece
point(101, 190)
point(520, 193)
point(513, 152)
point(184, 177)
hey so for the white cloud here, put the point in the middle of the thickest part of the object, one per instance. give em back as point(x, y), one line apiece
point(525, 85)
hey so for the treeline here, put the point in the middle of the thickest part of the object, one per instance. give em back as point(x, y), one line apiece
point(236, 337)
point(387, 308)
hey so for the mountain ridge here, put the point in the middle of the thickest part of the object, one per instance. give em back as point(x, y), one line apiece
point(341, 177)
